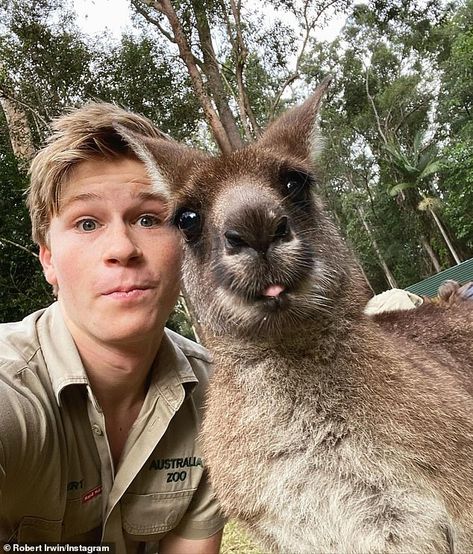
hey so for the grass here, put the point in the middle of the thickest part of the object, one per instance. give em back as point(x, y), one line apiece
point(237, 541)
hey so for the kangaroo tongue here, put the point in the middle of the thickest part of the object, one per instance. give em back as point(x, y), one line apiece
point(273, 290)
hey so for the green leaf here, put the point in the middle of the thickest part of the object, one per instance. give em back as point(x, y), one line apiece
point(396, 189)
point(433, 167)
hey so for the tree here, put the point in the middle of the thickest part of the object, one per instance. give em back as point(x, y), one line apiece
point(456, 117)
point(138, 74)
point(192, 25)
point(415, 168)
point(387, 64)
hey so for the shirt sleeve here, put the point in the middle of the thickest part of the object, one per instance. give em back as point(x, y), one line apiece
point(204, 516)
point(2, 469)
point(4, 530)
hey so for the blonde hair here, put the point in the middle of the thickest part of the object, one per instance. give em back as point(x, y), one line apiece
point(83, 134)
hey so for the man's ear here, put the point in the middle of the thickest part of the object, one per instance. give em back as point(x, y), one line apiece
point(45, 257)
point(296, 131)
point(168, 162)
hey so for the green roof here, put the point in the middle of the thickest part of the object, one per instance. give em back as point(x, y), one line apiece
point(428, 287)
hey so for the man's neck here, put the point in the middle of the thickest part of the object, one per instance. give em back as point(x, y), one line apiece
point(118, 377)
point(118, 373)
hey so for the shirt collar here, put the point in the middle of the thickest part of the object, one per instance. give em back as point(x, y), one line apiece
point(59, 351)
point(172, 371)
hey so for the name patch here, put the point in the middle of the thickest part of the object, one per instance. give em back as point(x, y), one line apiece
point(176, 463)
point(92, 494)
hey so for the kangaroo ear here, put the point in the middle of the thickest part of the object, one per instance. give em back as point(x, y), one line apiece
point(296, 132)
point(167, 162)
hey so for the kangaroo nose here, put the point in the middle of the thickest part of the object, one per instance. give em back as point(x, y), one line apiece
point(234, 239)
point(258, 239)
point(282, 229)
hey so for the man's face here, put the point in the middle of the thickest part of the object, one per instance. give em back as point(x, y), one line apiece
point(115, 263)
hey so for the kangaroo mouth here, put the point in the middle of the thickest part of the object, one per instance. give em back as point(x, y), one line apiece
point(272, 297)
point(266, 284)
point(273, 291)
point(274, 304)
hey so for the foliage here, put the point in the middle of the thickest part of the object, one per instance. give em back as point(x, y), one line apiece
point(138, 74)
point(385, 135)
point(22, 285)
point(456, 116)
point(458, 186)
point(45, 60)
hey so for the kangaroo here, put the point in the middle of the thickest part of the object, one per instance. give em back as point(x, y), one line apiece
point(325, 432)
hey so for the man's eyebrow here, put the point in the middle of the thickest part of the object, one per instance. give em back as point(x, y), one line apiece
point(88, 196)
point(147, 195)
point(84, 197)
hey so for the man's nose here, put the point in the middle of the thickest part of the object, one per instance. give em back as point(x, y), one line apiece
point(121, 246)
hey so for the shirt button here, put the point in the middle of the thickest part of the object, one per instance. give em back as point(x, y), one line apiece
point(96, 429)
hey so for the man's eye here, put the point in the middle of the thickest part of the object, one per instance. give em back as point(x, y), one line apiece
point(87, 225)
point(148, 220)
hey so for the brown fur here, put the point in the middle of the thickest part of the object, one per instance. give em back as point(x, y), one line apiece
point(325, 432)
point(441, 329)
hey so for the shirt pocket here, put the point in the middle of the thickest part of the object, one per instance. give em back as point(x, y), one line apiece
point(36, 529)
point(82, 519)
point(155, 513)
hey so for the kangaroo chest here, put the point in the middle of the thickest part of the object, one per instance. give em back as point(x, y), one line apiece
point(305, 483)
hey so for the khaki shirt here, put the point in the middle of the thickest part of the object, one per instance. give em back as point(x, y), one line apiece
point(57, 481)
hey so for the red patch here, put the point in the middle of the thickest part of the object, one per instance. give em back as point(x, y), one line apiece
point(91, 494)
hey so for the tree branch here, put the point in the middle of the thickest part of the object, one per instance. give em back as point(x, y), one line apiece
point(215, 81)
point(4, 240)
point(35, 113)
point(407, 115)
point(152, 20)
point(286, 83)
point(309, 27)
point(219, 132)
point(375, 111)
point(240, 54)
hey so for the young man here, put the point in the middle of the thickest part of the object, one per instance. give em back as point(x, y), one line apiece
point(100, 406)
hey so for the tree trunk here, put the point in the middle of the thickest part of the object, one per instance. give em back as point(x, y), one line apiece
point(357, 261)
point(19, 131)
point(215, 82)
point(240, 55)
point(165, 7)
point(445, 237)
point(389, 276)
point(431, 254)
point(360, 267)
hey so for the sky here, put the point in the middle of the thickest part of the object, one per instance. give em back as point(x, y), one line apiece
point(97, 16)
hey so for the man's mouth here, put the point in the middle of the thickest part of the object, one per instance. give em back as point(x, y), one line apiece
point(125, 292)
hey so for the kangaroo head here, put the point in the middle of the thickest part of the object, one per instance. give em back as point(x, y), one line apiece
point(261, 255)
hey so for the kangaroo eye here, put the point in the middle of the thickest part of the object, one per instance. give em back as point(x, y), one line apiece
point(295, 185)
point(189, 223)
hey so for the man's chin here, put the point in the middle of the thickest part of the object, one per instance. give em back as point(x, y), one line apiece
point(132, 330)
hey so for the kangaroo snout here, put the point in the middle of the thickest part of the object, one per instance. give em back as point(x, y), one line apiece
point(245, 235)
